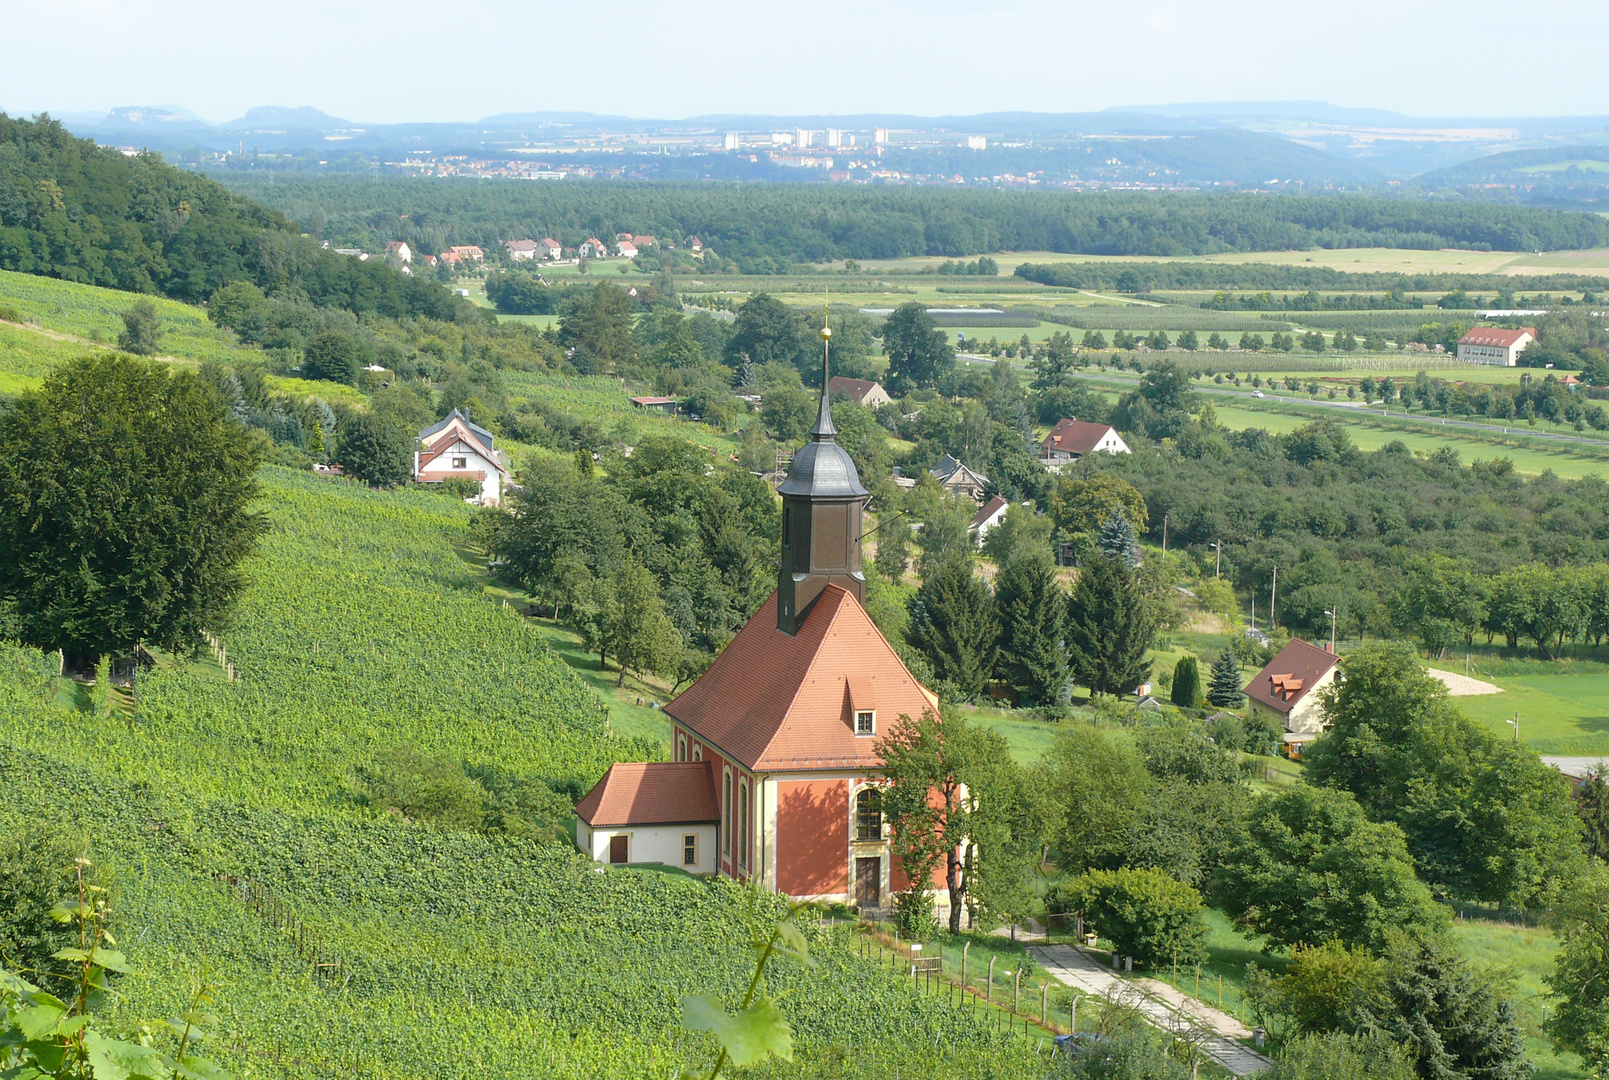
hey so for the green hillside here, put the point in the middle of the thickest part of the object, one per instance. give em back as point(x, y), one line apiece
point(461, 952)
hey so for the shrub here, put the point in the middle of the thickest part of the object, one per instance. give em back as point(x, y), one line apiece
point(335, 357)
point(37, 867)
point(1144, 914)
point(1187, 693)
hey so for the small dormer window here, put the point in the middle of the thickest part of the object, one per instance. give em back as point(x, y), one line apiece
point(865, 722)
point(460, 463)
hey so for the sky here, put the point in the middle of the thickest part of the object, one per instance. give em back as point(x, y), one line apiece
point(389, 61)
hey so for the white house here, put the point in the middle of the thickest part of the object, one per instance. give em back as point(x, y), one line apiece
point(627, 249)
point(593, 248)
point(1070, 440)
point(521, 250)
point(455, 449)
point(1489, 345)
point(549, 248)
point(988, 516)
point(1288, 687)
point(651, 812)
point(860, 391)
point(401, 250)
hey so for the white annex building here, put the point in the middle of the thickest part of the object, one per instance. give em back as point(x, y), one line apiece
point(455, 449)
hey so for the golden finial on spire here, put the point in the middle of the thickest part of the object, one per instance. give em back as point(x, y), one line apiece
point(826, 316)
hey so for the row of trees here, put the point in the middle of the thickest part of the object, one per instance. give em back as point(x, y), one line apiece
point(1445, 601)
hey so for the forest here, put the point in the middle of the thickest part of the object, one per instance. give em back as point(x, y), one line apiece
point(72, 210)
point(768, 228)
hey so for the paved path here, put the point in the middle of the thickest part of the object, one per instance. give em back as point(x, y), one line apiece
point(1160, 1004)
point(1578, 767)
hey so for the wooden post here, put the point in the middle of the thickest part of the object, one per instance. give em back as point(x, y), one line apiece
point(990, 989)
point(964, 949)
point(1044, 1000)
point(1072, 1015)
point(1016, 988)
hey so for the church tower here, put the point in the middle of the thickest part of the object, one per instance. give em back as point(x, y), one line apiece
point(822, 499)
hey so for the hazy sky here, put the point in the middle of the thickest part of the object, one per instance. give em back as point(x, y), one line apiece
point(395, 60)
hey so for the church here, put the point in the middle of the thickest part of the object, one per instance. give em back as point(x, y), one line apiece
point(775, 766)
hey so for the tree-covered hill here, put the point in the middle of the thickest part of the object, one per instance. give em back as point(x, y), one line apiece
point(73, 210)
point(772, 226)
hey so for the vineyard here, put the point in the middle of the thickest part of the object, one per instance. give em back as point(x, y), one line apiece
point(447, 953)
point(94, 313)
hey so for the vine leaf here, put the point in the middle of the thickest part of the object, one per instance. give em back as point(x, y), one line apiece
point(747, 1037)
point(791, 942)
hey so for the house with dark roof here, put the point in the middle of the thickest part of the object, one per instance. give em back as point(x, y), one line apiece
point(1492, 345)
point(1070, 440)
point(455, 449)
point(520, 250)
point(786, 719)
point(865, 392)
point(957, 479)
point(651, 812)
point(1287, 687)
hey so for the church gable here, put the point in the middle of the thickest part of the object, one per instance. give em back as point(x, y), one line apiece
point(780, 702)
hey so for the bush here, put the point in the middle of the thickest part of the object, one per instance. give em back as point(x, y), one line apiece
point(1338, 1056)
point(1186, 690)
point(335, 357)
point(142, 329)
point(1144, 914)
point(37, 870)
point(914, 917)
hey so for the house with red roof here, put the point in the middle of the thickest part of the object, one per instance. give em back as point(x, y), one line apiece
point(1287, 688)
point(455, 449)
point(521, 250)
point(785, 721)
point(1491, 345)
point(989, 515)
point(593, 248)
point(401, 250)
point(549, 248)
point(1070, 440)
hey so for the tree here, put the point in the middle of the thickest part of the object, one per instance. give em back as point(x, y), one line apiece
point(788, 412)
point(1312, 868)
point(1187, 683)
point(1224, 691)
point(893, 548)
point(1483, 817)
point(230, 305)
point(1081, 504)
point(1579, 1022)
point(1112, 619)
point(1188, 341)
point(767, 331)
point(1341, 1056)
point(1020, 532)
point(600, 328)
point(1144, 914)
point(638, 632)
point(953, 623)
point(333, 357)
point(1006, 815)
point(142, 329)
point(1117, 540)
point(918, 352)
point(1032, 611)
point(125, 509)
point(375, 449)
point(927, 765)
point(1097, 789)
point(1454, 1021)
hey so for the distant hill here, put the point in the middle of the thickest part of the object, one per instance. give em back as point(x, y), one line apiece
point(1575, 176)
point(73, 210)
point(276, 116)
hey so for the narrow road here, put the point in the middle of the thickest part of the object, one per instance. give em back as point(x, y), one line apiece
point(1161, 1005)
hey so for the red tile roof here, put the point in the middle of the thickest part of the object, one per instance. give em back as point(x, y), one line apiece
point(1491, 335)
point(651, 793)
point(1075, 436)
point(780, 703)
point(1290, 675)
point(458, 432)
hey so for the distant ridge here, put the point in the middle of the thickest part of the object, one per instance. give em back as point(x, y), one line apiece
point(279, 116)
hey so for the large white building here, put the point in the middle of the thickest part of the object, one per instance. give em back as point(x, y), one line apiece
point(1490, 345)
point(455, 449)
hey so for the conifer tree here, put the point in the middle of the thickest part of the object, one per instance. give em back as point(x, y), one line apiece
point(1032, 611)
point(1111, 622)
point(1117, 540)
point(953, 623)
point(1187, 683)
point(1224, 689)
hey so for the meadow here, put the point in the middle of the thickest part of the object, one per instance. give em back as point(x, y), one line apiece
point(1363, 260)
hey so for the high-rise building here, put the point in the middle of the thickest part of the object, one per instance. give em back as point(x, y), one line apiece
point(879, 136)
point(977, 142)
point(835, 137)
point(802, 136)
point(731, 140)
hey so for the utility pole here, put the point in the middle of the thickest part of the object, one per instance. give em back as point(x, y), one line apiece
point(1516, 724)
point(1164, 537)
point(1331, 614)
point(1254, 611)
point(1218, 545)
point(1273, 591)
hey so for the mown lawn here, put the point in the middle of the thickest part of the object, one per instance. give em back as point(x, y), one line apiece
point(1558, 714)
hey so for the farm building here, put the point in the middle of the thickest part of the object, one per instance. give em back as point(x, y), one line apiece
point(861, 391)
point(455, 449)
point(662, 404)
point(957, 479)
point(784, 724)
point(651, 812)
point(1490, 345)
point(468, 251)
point(1070, 440)
point(1287, 688)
